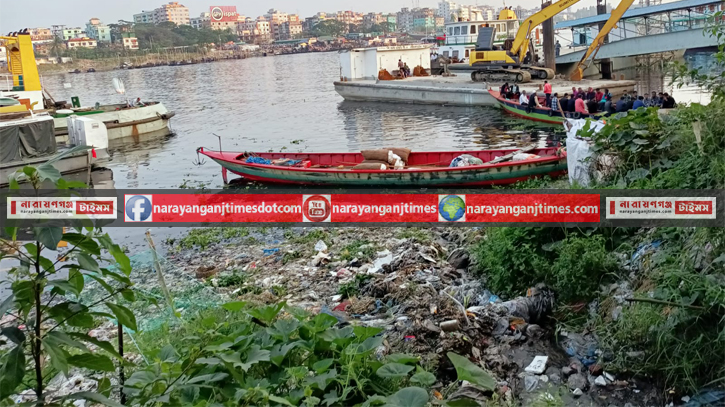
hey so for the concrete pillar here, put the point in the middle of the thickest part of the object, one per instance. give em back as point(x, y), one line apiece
point(605, 64)
point(548, 33)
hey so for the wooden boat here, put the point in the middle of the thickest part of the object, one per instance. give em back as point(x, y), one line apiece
point(539, 114)
point(424, 169)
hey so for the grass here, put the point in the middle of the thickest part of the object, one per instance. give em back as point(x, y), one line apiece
point(352, 288)
point(311, 236)
point(361, 249)
point(205, 237)
point(231, 280)
point(419, 235)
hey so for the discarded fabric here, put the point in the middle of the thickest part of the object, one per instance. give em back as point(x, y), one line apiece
point(465, 160)
point(258, 160)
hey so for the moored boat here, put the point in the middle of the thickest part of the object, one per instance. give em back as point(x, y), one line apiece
point(423, 169)
point(538, 114)
point(120, 120)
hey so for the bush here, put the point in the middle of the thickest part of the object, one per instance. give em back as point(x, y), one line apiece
point(514, 259)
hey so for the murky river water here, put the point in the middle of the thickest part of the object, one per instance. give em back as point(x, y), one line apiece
point(283, 102)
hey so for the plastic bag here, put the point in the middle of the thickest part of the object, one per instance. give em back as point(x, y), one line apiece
point(578, 151)
point(465, 160)
point(524, 157)
point(392, 158)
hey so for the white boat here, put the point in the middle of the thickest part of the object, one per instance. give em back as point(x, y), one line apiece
point(120, 120)
point(461, 36)
point(30, 141)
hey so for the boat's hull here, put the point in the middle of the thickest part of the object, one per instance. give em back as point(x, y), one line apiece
point(541, 115)
point(431, 177)
point(123, 123)
point(82, 161)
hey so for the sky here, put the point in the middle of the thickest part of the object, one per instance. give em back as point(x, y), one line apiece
point(16, 15)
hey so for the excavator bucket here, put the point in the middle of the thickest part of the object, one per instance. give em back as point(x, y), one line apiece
point(577, 75)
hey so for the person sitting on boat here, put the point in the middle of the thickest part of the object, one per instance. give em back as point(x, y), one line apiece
point(574, 92)
point(504, 89)
point(554, 103)
point(669, 102)
point(514, 90)
point(523, 100)
point(591, 95)
point(638, 103)
point(534, 100)
point(599, 96)
point(563, 103)
point(592, 106)
point(622, 104)
point(609, 106)
point(138, 103)
point(571, 107)
point(579, 106)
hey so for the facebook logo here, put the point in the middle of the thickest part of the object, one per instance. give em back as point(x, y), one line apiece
point(138, 208)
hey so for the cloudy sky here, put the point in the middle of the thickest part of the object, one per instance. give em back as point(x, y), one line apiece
point(16, 15)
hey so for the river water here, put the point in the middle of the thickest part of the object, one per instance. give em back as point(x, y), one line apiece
point(281, 103)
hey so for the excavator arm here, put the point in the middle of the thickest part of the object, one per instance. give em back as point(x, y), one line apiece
point(617, 14)
point(521, 42)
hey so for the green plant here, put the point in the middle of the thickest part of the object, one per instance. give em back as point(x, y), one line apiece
point(311, 236)
point(50, 320)
point(355, 248)
point(205, 237)
point(231, 280)
point(419, 235)
point(352, 287)
point(264, 358)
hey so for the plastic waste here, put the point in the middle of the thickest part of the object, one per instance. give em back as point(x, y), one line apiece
point(524, 157)
point(268, 252)
point(320, 246)
point(258, 160)
point(538, 365)
point(532, 308)
point(707, 397)
point(465, 160)
point(644, 249)
point(585, 350)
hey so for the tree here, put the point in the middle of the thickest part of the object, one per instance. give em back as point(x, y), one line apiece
point(57, 47)
point(50, 318)
point(332, 28)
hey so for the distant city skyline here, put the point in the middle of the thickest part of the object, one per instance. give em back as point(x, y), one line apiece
point(16, 15)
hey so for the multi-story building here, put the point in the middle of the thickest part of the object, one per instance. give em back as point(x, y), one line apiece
point(276, 18)
point(469, 13)
point(204, 20)
point(257, 31)
point(83, 42)
point(405, 20)
point(58, 30)
point(98, 31)
point(423, 19)
point(41, 34)
point(130, 42)
point(74, 32)
point(349, 17)
point(310, 22)
point(446, 9)
point(290, 30)
point(173, 12)
point(440, 22)
point(371, 19)
point(145, 17)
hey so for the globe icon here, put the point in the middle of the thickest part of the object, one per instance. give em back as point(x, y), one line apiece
point(452, 208)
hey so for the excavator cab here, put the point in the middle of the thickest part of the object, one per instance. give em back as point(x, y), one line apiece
point(485, 39)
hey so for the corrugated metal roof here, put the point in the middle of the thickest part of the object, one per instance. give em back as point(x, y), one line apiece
point(637, 12)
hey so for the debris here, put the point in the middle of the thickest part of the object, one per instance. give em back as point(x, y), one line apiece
point(450, 326)
point(320, 259)
point(538, 303)
point(384, 259)
point(320, 246)
point(582, 348)
point(600, 381)
point(538, 365)
point(459, 258)
point(342, 307)
point(595, 369)
point(336, 298)
point(530, 382)
point(567, 371)
point(609, 377)
point(577, 392)
point(577, 381)
point(269, 252)
point(409, 338)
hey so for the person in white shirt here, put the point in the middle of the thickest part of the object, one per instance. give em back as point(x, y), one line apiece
point(523, 99)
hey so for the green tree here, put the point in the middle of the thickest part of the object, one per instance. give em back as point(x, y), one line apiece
point(333, 28)
point(50, 317)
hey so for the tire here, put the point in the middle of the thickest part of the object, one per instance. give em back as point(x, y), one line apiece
point(577, 115)
point(519, 77)
point(542, 74)
point(474, 76)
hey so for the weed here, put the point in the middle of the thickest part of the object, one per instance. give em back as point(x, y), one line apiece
point(231, 280)
point(291, 256)
point(278, 290)
point(416, 234)
point(361, 249)
point(352, 288)
point(312, 236)
point(205, 237)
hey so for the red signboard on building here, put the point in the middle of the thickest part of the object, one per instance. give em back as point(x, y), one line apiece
point(223, 13)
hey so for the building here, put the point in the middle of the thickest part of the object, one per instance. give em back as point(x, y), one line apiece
point(130, 43)
point(310, 22)
point(446, 9)
point(405, 20)
point(204, 20)
point(276, 18)
point(440, 22)
point(257, 31)
point(41, 34)
point(371, 19)
point(349, 17)
point(290, 30)
point(74, 32)
point(98, 31)
point(173, 12)
point(83, 42)
point(223, 18)
point(145, 17)
point(423, 19)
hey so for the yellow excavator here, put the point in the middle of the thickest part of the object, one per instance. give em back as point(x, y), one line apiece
point(510, 63)
point(611, 23)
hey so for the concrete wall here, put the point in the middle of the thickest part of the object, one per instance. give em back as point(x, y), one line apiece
point(413, 57)
point(366, 63)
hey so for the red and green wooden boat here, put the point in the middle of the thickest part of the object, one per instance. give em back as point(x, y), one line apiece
point(538, 114)
point(424, 169)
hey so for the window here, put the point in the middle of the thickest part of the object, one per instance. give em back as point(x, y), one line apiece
point(445, 54)
point(464, 30)
point(467, 53)
point(473, 29)
point(455, 54)
point(457, 31)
